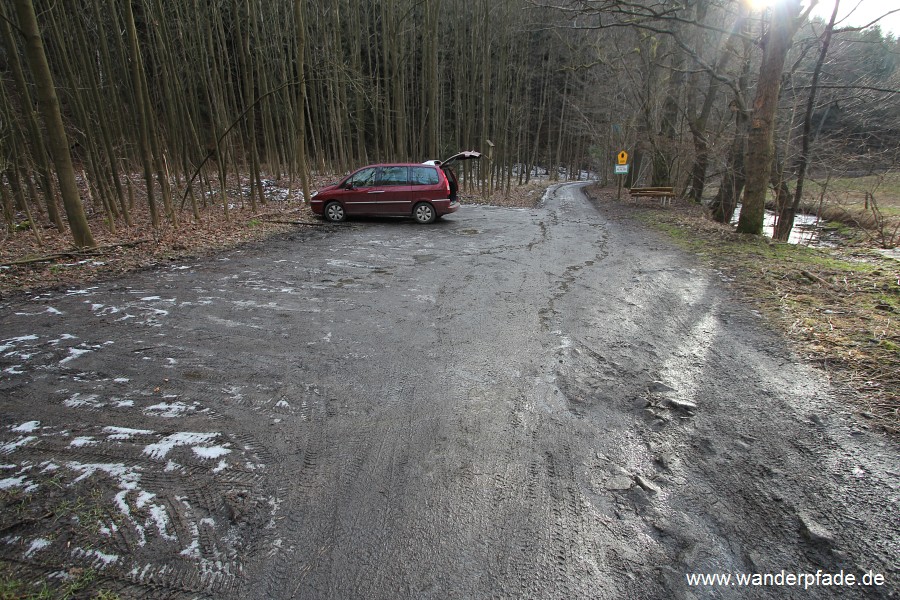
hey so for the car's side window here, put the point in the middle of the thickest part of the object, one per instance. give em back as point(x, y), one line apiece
point(423, 176)
point(393, 176)
point(363, 178)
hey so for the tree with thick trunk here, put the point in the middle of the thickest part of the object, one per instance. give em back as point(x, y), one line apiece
point(788, 210)
point(58, 142)
point(783, 24)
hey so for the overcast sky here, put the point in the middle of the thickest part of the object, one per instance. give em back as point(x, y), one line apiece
point(865, 12)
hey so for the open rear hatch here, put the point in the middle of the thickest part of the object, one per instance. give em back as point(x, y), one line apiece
point(465, 155)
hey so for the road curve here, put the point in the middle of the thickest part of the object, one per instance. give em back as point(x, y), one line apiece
point(510, 403)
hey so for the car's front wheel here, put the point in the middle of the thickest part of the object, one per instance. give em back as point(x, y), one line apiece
point(424, 213)
point(334, 212)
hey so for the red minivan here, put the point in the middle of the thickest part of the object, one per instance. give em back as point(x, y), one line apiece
point(423, 191)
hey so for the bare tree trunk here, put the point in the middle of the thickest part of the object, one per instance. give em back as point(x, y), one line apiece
point(40, 151)
point(726, 200)
point(788, 211)
point(732, 186)
point(9, 216)
point(142, 110)
point(56, 133)
point(699, 125)
point(668, 134)
point(760, 150)
point(301, 103)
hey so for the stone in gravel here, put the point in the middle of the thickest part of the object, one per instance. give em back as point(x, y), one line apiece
point(661, 388)
point(664, 527)
point(682, 404)
point(813, 531)
point(666, 459)
point(646, 485)
point(618, 483)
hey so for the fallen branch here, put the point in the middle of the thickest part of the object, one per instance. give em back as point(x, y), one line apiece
point(284, 222)
point(815, 278)
point(98, 251)
point(274, 213)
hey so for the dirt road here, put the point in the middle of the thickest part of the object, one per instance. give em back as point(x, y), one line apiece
point(547, 403)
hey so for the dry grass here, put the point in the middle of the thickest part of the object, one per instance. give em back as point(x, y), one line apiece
point(870, 205)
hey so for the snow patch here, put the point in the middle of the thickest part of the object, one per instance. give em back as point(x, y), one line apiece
point(96, 556)
point(73, 354)
point(169, 410)
point(76, 400)
point(82, 441)
point(125, 433)
point(210, 452)
point(26, 427)
point(36, 545)
point(12, 482)
point(10, 447)
point(11, 342)
point(127, 477)
point(160, 518)
point(161, 449)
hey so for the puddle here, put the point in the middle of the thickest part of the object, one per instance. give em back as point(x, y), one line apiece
point(808, 229)
point(891, 253)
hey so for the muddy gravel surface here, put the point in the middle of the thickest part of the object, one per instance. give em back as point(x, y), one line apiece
point(510, 403)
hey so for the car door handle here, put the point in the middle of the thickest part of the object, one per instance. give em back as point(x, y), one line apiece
point(377, 192)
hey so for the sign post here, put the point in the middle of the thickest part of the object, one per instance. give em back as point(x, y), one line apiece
point(621, 169)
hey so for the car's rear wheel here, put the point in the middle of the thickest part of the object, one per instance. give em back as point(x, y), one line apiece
point(424, 213)
point(334, 212)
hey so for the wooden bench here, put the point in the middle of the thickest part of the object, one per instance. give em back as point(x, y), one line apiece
point(665, 194)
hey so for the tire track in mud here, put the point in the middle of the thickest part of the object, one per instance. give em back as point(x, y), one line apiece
point(138, 493)
point(482, 408)
point(716, 409)
point(176, 502)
